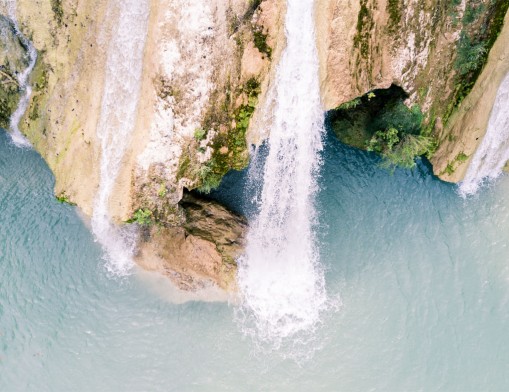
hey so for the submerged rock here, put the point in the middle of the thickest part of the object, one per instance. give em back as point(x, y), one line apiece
point(200, 253)
point(13, 60)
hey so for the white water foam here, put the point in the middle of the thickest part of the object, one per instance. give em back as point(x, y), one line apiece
point(493, 152)
point(23, 80)
point(120, 98)
point(280, 279)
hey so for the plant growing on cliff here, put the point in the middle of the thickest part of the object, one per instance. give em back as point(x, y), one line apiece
point(350, 104)
point(230, 148)
point(58, 11)
point(142, 216)
point(405, 152)
point(482, 24)
point(64, 199)
point(471, 55)
point(199, 134)
point(400, 152)
point(260, 42)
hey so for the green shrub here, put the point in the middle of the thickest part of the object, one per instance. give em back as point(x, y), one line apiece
point(350, 104)
point(383, 141)
point(471, 56)
point(199, 134)
point(260, 41)
point(405, 152)
point(462, 157)
point(142, 216)
point(64, 199)
point(398, 115)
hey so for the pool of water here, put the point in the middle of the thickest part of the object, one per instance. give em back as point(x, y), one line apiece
point(422, 276)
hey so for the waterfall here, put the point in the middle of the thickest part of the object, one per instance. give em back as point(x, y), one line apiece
point(280, 279)
point(23, 81)
point(124, 65)
point(493, 152)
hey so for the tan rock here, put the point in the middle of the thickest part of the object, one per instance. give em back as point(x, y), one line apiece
point(467, 126)
point(202, 252)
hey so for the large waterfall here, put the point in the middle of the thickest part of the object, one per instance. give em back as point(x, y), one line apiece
point(23, 80)
point(493, 152)
point(280, 278)
point(120, 98)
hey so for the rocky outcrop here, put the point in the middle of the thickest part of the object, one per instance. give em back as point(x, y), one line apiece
point(201, 252)
point(206, 65)
point(13, 61)
point(434, 50)
point(467, 125)
point(207, 68)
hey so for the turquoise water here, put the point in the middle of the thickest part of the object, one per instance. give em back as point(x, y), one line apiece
point(422, 275)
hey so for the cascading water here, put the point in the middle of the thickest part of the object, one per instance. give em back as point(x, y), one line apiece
point(23, 82)
point(280, 279)
point(493, 153)
point(117, 120)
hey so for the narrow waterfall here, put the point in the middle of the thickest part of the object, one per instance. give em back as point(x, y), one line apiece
point(280, 278)
point(23, 81)
point(493, 152)
point(116, 122)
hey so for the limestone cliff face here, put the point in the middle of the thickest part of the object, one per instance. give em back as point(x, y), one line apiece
point(433, 49)
point(67, 87)
point(206, 64)
point(467, 126)
point(371, 44)
point(207, 67)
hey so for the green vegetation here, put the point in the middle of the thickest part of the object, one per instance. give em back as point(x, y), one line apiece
point(253, 6)
point(470, 55)
point(365, 24)
point(449, 170)
point(200, 134)
point(142, 216)
point(393, 8)
point(58, 11)
point(451, 166)
point(462, 157)
point(379, 121)
point(260, 41)
point(162, 190)
point(230, 148)
point(481, 26)
point(402, 153)
point(39, 79)
point(9, 98)
point(64, 199)
point(350, 104)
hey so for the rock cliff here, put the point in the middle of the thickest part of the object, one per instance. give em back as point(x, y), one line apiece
point(207, 67)
point(434, 50)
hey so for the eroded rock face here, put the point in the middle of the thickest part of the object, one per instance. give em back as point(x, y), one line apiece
point(370, 44)
point(467, 126)
point(207, 67)
point(13, 61)
point(206, 64)
point(199, 253)
point(434, 50)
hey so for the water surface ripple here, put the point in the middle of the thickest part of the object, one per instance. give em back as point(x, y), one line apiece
point(422, 273)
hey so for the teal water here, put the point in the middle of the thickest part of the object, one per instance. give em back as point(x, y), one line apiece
point(422, 275)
